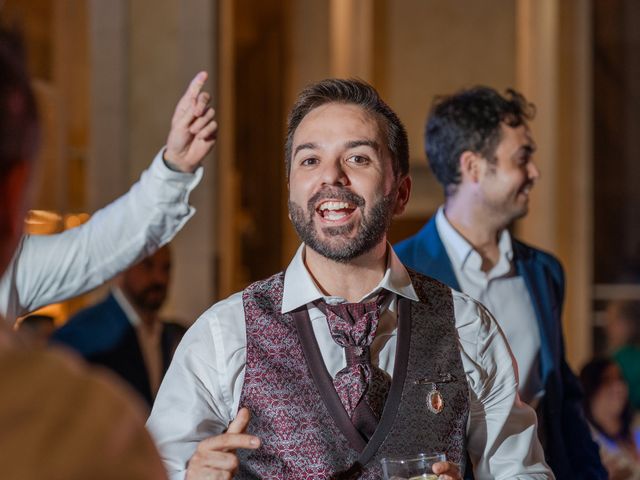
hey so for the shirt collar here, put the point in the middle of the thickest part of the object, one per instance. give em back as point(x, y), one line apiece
point(300, 288)
point(459, 249)
point(127, 308)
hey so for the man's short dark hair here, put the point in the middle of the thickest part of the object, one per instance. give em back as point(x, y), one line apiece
point(355, 92)
point(470, 120)
point(19, 134)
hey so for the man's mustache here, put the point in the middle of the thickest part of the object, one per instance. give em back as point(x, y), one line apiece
point(155, 289)
point(335, 193)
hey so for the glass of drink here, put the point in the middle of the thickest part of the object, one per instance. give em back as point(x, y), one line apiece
point(415, 467)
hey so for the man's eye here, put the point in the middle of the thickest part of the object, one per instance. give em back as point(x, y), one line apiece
point(309, 161)
point(358, 159)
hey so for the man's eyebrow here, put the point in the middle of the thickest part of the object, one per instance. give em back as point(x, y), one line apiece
point(303, 146)
point(363, 143)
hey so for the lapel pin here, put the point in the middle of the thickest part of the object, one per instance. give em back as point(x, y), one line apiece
point(435, 400)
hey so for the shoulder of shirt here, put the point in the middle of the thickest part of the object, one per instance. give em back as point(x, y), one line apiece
point(218, 329)
point(226, 309)
point(474, 322)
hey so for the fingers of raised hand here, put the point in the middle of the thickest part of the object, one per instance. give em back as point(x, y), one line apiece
point(200, 122)
point(193, 90)
point(201, 103)
point(188, 102)
point(208, 133)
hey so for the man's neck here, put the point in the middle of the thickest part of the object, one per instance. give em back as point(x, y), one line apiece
point(481, 230)
point(147, 318)
point(351, 280)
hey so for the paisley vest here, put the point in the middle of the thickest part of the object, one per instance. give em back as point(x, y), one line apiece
point(304, 428)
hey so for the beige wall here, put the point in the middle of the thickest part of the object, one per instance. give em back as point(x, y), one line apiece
point(436, 48)
point(109, 73)
point(144, 54)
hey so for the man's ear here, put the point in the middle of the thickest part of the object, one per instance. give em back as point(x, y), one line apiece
point(471, 165)
point(404, 191)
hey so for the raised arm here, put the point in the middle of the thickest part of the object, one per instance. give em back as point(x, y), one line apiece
point(47, 269)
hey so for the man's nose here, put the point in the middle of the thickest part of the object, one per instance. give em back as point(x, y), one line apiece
point(533, 171)
point(161, 275)
point(333, 173)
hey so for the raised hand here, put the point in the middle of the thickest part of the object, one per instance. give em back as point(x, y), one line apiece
point(215, 457)
point(193, 128)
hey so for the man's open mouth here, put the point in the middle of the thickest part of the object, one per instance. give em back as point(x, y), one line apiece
point(335, 210)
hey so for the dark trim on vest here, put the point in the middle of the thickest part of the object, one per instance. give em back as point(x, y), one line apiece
point(323, 380)
point(397, 382)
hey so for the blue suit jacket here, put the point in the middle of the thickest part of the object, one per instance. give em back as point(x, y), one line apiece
point(570, 450)
point(103, 335)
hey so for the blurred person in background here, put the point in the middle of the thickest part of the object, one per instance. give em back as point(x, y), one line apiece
point(124, 332)
point(481, 150)
point(607, 408)
point(623, 337)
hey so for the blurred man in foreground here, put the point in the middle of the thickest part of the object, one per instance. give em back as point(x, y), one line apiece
point(60, 420)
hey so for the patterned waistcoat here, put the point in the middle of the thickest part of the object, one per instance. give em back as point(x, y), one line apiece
point(306, 432)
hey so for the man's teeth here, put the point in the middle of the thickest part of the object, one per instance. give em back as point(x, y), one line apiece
point(335, 210)
point(334, 206)
point(331, 215)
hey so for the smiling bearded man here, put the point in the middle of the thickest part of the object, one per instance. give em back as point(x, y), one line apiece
point(321, 370)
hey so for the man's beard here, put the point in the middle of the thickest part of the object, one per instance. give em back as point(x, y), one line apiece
point(151, 298)
point(372, 228)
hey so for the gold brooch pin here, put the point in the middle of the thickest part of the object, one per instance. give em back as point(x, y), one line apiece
point(435, 400)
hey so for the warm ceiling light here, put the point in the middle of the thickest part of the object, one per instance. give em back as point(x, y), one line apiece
point(43, 222)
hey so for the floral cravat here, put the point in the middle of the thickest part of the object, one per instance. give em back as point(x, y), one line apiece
point(362, 387)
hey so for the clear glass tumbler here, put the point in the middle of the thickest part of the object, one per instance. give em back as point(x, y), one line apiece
point(414, 467)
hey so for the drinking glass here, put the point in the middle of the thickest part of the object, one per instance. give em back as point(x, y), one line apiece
point(415, 467)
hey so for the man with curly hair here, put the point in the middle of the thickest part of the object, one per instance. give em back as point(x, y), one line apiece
point(480, 149)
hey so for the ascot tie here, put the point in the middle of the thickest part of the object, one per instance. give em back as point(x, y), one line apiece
point(362, 388)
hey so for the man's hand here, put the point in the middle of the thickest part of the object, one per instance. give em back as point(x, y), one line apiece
point(215, 457)
point(193, 129)
point(447, 471)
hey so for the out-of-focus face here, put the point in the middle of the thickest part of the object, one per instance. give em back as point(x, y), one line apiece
point(506, 184)
point(342, 190)
point(617, 327)
point(146, 283)
point(613, 393)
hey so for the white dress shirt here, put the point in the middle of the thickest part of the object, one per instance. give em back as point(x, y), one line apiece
point(52, 268)
point(200, 393)
point(506, 296)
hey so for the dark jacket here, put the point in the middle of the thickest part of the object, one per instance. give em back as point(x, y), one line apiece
point(103, 335)
point(569, 448)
